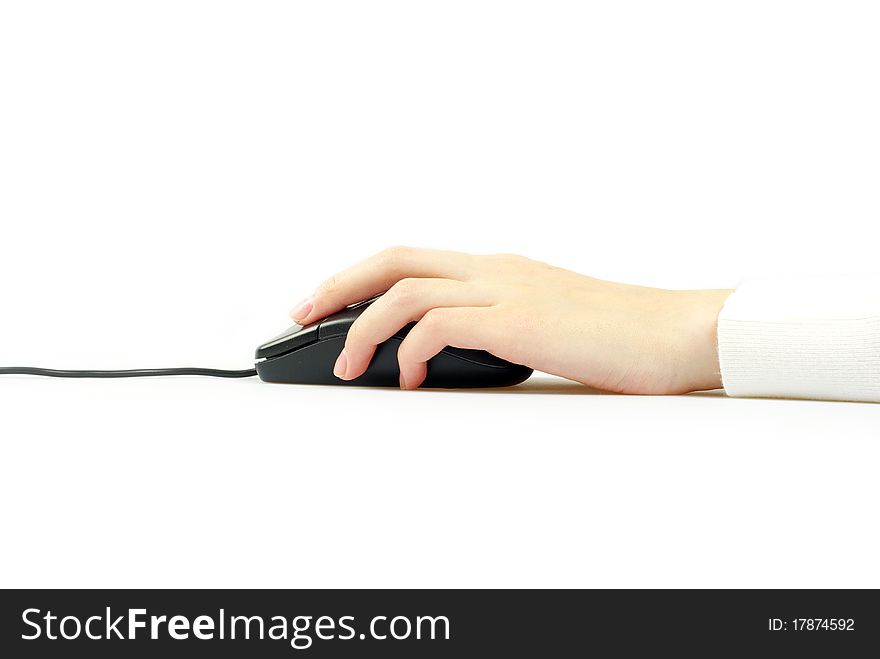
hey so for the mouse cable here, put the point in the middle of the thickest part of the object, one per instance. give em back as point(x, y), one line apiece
point(135, 373)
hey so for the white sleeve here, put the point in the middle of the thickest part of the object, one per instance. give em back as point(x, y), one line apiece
point(806, 337)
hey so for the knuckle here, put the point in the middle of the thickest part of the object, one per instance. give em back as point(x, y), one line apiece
point(434, 320)
point(505, 261)
point(405, 352)
point(511, 267)
point(353, 335)
point(329, 286)
point(394, 254)
point(403, 292)
point(356, 336)
point(514, 259)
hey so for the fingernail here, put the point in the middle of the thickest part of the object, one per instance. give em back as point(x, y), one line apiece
point(341, 365)
point(402, 381)
point(302, 309)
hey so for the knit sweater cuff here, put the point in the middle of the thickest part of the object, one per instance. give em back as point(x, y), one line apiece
point(805, 337)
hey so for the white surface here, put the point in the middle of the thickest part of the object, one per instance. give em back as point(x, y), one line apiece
point(240, 483)
point(175, 175)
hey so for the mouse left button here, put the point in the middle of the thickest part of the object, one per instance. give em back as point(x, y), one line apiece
point(291, 339)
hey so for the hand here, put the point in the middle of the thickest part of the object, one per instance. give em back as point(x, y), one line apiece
point(616, 337)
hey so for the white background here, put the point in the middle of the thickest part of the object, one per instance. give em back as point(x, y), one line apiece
point(175, 175)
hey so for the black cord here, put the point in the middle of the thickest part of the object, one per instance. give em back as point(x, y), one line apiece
point(135, 373)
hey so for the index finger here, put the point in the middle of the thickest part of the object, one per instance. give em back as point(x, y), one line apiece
point(376, 275)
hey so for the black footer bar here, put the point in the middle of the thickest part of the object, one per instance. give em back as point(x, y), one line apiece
point(436, 623)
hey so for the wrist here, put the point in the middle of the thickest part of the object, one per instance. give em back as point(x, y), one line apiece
point(698, 361)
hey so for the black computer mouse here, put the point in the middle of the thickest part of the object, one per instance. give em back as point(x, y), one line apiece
point(305, 355)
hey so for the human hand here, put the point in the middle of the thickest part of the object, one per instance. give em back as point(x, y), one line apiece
point(610, 336)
